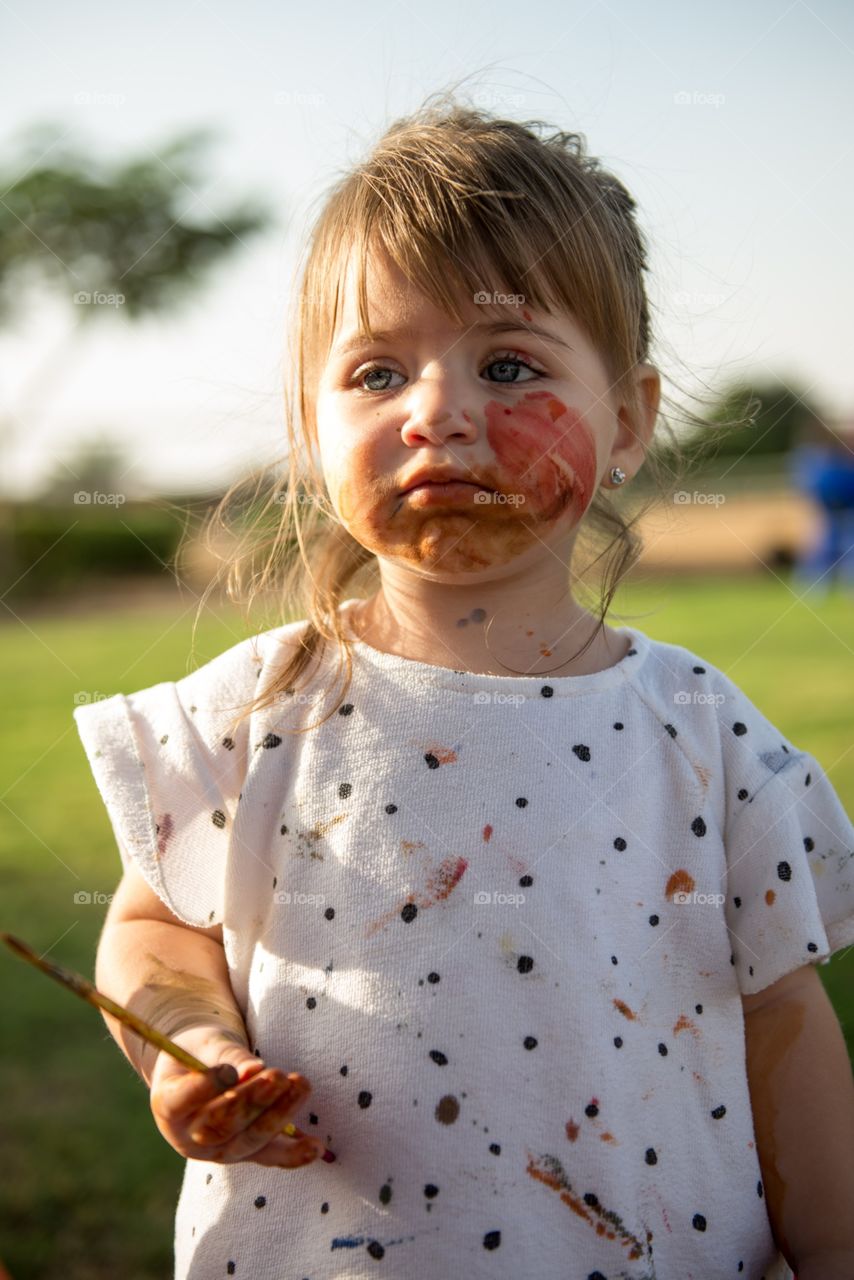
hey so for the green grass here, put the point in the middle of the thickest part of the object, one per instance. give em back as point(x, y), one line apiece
point(89, 1186)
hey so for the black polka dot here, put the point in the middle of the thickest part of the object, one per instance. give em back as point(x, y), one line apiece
point(784, 871)
point(525, 964)
point(344, 1070)
point(492, 1240)
point(653, 920)
point(662, 1049)
point(631, 653)
point(283, 831)
point(546, 691)
point(409, 912)
point(324, 1208)
point(228, 743)
point(431, 1190)
point(618, 1041)
point(670, 730)
point(391, 808)
point(260, 1201)
point(743, 793)
point(698, 826)
point(591, 1198)
point(218, 818)
point(619, 843)
point(811, 946)
point(438, 1057)
point(614, 960)
point(719, 1112)
point(344, 789)
point(275, 881)
point(737, 901)
point(698, 1222)
point(310, 1003)
point(495, 1148)
point(521, 802)
point(271, 740)
point(581, 751)
point(618, 724)
point(591, 1110)
point(700, 671)
point(231, 1268)
point(526, 882)
point(329, 913)
point(376, 1250)
point(530, 1042)
point(345, 709)
point(650, 1156)
point(596, 1275)
point(809, 844)
point(739, 729)
point(759, 1191)
point(808, 780)
point(698, 1008)
point(385, 1193)
point(432, 761)
point(364, 1099)
point(433, 977)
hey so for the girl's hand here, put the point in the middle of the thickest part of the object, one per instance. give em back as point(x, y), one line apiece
point(205, 1118)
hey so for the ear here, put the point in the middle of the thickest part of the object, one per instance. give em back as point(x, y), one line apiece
point(636, 420)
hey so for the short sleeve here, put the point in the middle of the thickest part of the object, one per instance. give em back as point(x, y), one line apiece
point(169, 765)
point(790, 866)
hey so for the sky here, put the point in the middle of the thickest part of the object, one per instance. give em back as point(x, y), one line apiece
point(729, 123)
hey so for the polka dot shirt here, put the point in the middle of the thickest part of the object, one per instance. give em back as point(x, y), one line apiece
point(502, 924)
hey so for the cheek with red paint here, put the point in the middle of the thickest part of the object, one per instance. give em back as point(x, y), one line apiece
point(546, 451)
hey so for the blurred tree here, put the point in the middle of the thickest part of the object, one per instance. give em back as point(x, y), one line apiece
point(114, 238)
point(96, 465)
point(750, 422)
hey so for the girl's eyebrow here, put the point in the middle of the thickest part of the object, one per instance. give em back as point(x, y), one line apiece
point(344, 347)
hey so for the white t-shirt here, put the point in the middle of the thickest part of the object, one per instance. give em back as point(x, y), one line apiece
point(458, 907)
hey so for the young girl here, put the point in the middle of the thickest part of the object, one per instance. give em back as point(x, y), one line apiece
point(514, 911)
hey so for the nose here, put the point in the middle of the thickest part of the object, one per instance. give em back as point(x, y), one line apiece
point(436, 414)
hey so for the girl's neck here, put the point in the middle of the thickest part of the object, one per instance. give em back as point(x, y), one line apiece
point(486, 639)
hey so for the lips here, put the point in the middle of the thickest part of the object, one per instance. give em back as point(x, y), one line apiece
point(437, 478)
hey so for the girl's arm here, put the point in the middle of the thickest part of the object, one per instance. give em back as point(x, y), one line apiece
point(168, 973)
point(802, 1094)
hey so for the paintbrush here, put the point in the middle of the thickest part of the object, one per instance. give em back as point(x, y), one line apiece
point(82, 987)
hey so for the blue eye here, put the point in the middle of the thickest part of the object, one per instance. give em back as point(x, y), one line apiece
point(505, 360)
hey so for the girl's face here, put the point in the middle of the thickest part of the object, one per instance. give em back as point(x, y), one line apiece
point(526, 419)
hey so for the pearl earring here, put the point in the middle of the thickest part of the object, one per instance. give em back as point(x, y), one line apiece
point(617, 475)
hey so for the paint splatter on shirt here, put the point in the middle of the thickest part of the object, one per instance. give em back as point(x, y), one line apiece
point(502, 924)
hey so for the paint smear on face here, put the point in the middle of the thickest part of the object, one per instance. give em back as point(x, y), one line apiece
point(544, 472)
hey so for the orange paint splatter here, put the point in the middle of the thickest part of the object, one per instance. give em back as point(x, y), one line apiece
point(529, 633)
point(445, 880)
point(526, 315)
point(572, 1130)
point(487, 831)
point(445, 755)
point(770, 897)
point(624, 1010)
point(544, 652)
point(608, 1137)
point(703, 774)
point(610, 1225)
point(685, 1024)
point(408, 845)
point(679, 882)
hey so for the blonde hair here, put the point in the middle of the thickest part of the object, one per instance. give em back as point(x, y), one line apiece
point(462, 202)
